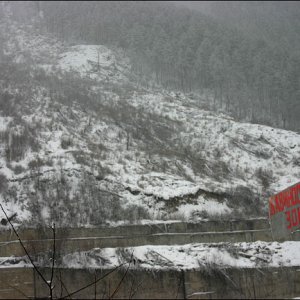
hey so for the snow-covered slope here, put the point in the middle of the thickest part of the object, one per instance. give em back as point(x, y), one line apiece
point(186, 257)
point(83, 143)
point(191, 256)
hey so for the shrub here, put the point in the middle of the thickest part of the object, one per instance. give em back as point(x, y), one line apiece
point(48, 162)
point(65, 142)
point(265, 176)
point(35, 163)
point(3, 183)
point(244, 198)
point(18, 169)
point(200, 214)
point(296, 161)
point(212, 269)
point(80, 157)
point(134, 213)
point(220, 170)
point(18, 140)
point(263, 154)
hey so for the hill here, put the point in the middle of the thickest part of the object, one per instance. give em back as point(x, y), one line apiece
point(84, 142)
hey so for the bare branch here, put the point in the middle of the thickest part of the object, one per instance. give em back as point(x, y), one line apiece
point(118, 287)
point(136, 289)
point(53, 261)
point(27, 254)
point(92, 283)
point(62, 285)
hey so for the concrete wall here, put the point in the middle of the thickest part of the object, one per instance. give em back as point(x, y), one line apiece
point(129, 230)
point(16, 283)
point(81, 239)
point(211, 283)
point(244, 283)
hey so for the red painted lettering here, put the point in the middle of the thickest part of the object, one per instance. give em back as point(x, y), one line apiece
point(295, 199)
point(288, 218)
point(279, 203)
point(294, 217)
point(289, 198)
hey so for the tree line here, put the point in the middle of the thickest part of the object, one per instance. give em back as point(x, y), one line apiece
point(186, 50)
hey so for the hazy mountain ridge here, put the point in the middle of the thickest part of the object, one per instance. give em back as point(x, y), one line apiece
point(276, 22)
point(244, 54)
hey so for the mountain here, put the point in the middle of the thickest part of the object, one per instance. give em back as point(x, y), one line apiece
point(276, 22)
point(244, 54)
point(84, 141)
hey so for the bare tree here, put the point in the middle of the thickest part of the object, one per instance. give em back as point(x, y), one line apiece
point(49, 283)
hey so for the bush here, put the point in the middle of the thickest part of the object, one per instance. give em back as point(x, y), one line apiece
point(134, 213)
point(212, 269)
point(263, 154)
point(65, 142)
point(3, 183)
point(35, 163)
point(296, 161)
point(18, 169)
point(220, 170)
point(18, 140)
point(245, 199)
point(81, 158)
point(265, 177)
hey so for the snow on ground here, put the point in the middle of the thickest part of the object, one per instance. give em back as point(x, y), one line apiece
point(4, 121)
point(163, 185)
point(210, 207)
point(95, 61)
point(189, 256)
point(14, 207)
point(83, 58)
point(141, 222)
point(14, 262)
point(192, 256)
point(244, 148)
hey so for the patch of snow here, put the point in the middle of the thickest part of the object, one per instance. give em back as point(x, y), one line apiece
point(14, 207)
point(189, 256)
point(86, 58)
point(4, 121)
point(211, 207)
point(192, 256)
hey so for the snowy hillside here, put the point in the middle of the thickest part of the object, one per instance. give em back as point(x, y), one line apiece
point(214, 256)
point(82, 143)
point(191, 256)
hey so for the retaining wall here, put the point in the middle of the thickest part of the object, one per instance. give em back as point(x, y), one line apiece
point(81, 239)
point(206, 284)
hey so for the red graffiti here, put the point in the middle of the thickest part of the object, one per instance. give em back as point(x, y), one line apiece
point(284, 200)
point(293, 217)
